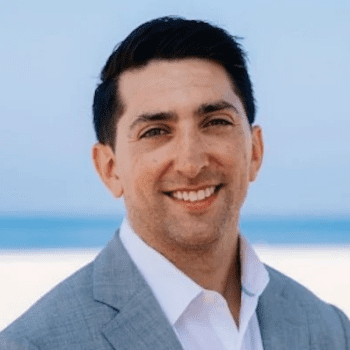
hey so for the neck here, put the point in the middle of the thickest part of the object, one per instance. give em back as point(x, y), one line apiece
point(214, 264)
point(212, 267)
point(216, 268)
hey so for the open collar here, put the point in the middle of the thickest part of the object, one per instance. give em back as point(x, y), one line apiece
point(161, 275)
point(140, 322)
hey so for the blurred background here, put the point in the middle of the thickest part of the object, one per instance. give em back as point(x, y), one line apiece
point(52, 200)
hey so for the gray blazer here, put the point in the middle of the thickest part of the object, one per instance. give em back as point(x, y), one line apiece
point(108, 305)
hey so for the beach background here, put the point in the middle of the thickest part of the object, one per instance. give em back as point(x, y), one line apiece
point(38, 253)
point(56, 215)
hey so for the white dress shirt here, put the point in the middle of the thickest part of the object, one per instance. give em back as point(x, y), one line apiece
point(201, 318)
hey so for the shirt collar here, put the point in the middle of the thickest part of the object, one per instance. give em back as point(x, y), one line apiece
point(254, 276)
point(172, 288)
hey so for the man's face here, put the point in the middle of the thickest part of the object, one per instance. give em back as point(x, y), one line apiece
point(184, 153)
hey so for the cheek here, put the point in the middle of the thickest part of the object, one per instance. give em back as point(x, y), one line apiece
point(142, 168)
point(234, 152)
point(235, 160)
point(144, 180)
point(145, 175)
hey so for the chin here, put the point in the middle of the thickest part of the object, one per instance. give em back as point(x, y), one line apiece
point(194, 238)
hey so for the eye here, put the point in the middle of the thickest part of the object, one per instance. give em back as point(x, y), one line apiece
point(154, 133)
point(219, 122)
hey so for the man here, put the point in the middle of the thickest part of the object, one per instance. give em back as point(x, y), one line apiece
point(174, 119)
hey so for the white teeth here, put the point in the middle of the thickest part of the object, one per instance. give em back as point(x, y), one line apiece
point(200, 195)
point(185, 196)
point(207, 192)
point(194, 196)
point(177, 194)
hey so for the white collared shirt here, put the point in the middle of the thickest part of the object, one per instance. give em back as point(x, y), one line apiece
point(201, 318)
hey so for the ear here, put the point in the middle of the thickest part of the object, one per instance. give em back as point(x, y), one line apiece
point(105, 164)
point(257, 152)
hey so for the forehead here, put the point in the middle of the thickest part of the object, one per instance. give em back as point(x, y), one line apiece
point(171, 85)
point(174, 71)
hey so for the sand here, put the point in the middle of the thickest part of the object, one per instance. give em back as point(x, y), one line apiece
point(27, 275)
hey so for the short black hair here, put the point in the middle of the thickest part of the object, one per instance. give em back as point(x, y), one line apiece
point(168, 38)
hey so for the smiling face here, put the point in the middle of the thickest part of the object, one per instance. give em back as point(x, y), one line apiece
point(185, 154)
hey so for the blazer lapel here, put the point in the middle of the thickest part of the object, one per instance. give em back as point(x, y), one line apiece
point(141, 325)
point(283, 323)
point(140, 322)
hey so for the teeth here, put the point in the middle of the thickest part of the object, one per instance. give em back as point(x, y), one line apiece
point(175, 194)
point(179, 195)
point(194, 196)
point(200, 195)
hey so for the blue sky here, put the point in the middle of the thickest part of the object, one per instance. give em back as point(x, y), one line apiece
point(51, 56)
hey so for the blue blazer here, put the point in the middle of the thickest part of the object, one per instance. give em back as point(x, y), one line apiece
point(108, 305)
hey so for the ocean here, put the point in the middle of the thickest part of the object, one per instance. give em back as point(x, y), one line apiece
point(90, 232)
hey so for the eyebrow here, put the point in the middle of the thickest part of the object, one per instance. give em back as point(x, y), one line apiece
point(201, 111)
point(207, 108)
point(153, 117)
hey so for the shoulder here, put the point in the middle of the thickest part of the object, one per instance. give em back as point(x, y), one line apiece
point(69, 308)
point(324, 321)
point(290, 290)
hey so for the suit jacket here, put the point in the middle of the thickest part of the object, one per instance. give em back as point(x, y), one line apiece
point(108, 305)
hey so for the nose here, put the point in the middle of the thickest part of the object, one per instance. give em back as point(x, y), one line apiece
point(191, 155)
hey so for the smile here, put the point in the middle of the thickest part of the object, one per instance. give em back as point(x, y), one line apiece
point(194, 196)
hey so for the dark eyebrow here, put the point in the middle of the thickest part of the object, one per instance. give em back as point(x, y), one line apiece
point(203, 109)
point(207, 108)
point(153, 117)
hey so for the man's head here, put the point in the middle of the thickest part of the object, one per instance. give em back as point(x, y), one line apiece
point(185, 150)
point(167, 38)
